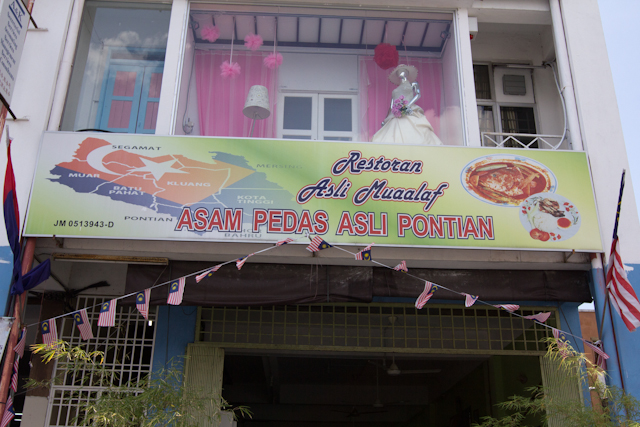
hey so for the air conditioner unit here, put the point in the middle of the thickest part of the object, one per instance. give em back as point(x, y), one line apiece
point(513, 85)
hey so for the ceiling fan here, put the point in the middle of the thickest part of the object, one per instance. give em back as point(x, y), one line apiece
point(394, 369)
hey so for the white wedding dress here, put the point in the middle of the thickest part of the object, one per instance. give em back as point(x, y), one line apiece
point(413, 128)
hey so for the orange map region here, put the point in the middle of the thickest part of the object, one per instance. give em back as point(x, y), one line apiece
point(184, 181)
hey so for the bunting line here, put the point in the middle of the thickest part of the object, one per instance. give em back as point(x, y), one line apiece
point(49, 331)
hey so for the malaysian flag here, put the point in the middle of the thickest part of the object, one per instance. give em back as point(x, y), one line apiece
point(429, 290)
point(561, 342)
point(623, 297)
point(540, 317)
point(9, 413)
point(176, 291)
point(318, 244)
point(596, 349)
point(285, 241)
point(209, 272)
point(365, 254)
point(81, 320)
point(107, 315)
point(469, 300)
point(401, 267)
point(142, 302)
point(14, 377)
point(49, 331)
point(509, 307)
point(240, 261)
point(19, 348)
point(14, 382)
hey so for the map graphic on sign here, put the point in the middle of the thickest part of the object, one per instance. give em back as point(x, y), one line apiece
point(167, 183)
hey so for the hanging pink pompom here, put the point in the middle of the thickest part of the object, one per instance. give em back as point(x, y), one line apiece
point(210, 33)
point(273, 61)
point(253, 41)
point(229, 70)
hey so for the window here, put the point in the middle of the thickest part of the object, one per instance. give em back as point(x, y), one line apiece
point(505, 105)
point(117, 74)
point(318, 117)
point(328, 86)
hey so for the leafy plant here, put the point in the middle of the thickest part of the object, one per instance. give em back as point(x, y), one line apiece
point(618, 408)
point(156, 399)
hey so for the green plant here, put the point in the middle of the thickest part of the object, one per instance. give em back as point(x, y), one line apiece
point(550, 408)
point(157, 399)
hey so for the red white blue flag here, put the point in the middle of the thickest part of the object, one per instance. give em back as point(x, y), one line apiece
point(107, 315)
point(429, 290)
point(9, 413)
point(19, 348)
point(623, 297)
point(49, 331)
point(540, 317)
point(597, 349)
point(469, 300)
point(14, 382)
point(318, 244)
point(209, 273)
point(401, 267)
point(240, 261)
point(142, 302)
point(285, 241)
point(176, 291)
point(365, 254)
point(509, 307)
point(81, 320)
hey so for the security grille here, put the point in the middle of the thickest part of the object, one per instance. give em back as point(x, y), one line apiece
point(128, 351)
point(375, 327)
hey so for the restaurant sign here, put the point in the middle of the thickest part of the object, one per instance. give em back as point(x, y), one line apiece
point(256, 190)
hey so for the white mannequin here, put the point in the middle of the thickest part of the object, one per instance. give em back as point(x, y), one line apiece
point(412, 128)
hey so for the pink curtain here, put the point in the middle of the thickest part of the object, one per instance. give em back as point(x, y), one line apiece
point(221, 100)
point(375, 93)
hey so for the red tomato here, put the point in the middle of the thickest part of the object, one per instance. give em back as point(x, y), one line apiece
point(544, 236)
point(535, 233)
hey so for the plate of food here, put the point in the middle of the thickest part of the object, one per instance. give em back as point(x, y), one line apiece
point(549, 217)
point(506, 180)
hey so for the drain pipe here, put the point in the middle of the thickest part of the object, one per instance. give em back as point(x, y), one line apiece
point(66, 66)
point(564, 71)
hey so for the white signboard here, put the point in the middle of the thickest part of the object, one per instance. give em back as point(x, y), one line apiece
point(14, 20)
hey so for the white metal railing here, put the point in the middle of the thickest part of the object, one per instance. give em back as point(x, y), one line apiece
point(521, 140)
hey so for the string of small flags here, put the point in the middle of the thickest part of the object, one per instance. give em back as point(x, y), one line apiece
point(9, 411)
point(176, 291)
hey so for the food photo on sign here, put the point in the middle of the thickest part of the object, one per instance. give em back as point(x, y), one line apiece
point(258, 190)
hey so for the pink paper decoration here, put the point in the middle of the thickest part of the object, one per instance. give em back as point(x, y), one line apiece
point(229, 70)
point(210, 33)
point(273, 61)
point(253, 41)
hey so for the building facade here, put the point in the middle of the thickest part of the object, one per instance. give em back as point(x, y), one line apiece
point(516, 207)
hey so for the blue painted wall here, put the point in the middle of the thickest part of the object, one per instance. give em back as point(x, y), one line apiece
point(616, 335)
point(6, 260)
point(175, 328)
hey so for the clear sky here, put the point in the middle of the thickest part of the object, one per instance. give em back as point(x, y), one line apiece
point(621, 21)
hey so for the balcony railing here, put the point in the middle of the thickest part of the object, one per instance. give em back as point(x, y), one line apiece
point(521, 140)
